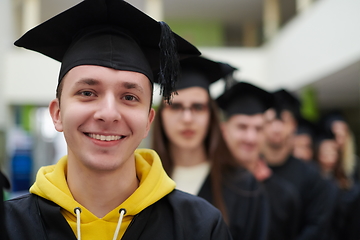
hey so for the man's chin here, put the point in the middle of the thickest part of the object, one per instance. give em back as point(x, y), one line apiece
point(275, 144)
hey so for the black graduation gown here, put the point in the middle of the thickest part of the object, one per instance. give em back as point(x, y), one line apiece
point(317, 198)
point(346, 220)
point(176, 216)
point(351, 229)
point(284, 203)
point(246, 205)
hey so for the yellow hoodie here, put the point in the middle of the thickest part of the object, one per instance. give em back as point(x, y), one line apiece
point(154, 184)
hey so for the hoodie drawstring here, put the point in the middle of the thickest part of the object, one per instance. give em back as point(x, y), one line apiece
point(77, 211)
point(122, 212)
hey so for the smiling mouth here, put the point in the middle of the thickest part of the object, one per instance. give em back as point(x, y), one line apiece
point(105, 137)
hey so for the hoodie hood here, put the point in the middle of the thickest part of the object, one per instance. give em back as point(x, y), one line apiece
point(154, 184)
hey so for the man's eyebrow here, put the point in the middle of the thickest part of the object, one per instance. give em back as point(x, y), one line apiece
point(88, 81)
point(131, 85)
point(93, 82)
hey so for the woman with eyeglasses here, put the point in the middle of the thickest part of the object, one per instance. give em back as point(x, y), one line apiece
point(188, 138)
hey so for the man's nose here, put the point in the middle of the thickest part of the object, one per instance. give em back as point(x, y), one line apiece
point(277, 125)
point(108, 110)
point(251, 135)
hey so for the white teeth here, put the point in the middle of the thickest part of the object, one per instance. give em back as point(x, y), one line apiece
point(104, 138)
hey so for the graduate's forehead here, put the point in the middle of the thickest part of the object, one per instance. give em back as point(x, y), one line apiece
point(247, 119)
point(92, 75)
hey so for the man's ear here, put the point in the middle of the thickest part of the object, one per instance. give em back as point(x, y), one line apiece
point(151, 118)
point(54, 109)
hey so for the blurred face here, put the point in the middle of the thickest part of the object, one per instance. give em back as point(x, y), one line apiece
point(244, 135)
point(186, 120)
point(328, 154)
point(340, 131)
point(303, 147)
point(104, 114)
point(278, 132)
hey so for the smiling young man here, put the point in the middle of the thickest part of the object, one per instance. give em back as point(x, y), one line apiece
point(105, 188)
point(244, 105)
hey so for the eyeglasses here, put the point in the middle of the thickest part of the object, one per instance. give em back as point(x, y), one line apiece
point(195, 108)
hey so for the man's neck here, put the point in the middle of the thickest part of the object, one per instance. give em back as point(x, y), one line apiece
point(101, 192)
point(188, 157)
point(258, 168)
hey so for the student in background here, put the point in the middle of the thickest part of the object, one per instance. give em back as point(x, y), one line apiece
point(244, 105)
point(317, 196)
point(188, 138)
point(335, 123)
point(328, 159)
point(333, 167)
point(304, 140)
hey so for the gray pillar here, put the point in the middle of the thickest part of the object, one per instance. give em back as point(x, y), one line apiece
point(302, 5)
point(155, 9)
point(271, 18)
point(30, 14)
point(250, 34)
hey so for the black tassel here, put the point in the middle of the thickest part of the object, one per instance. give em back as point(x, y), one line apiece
point(169, 62)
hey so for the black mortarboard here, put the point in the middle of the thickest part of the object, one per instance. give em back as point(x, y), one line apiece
point(283, 100)
point(245, 98)
point(306, 127)
point(328, 119)
point(114, 34)
point(323, 135)
point(229, 78)
point(201, 72)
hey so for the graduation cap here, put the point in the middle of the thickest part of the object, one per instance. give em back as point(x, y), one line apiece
point(328, 120)
point(201, 72)
point(283, 100)
point(229, 78)
point(306, 127)
point(245, 98)
point(114, 34)
point(323, 135)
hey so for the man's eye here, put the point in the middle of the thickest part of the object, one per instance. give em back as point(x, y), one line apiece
point(176, 106)
point(129, 98)
point(87, 93)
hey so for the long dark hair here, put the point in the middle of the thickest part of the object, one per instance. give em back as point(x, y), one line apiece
point(222, 161)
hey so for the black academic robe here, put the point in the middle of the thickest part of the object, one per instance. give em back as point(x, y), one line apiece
point(317, 198)
point(178, 216)
point(346, 220)
point(284, 203)
point(246, 205)
point(351, 230)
